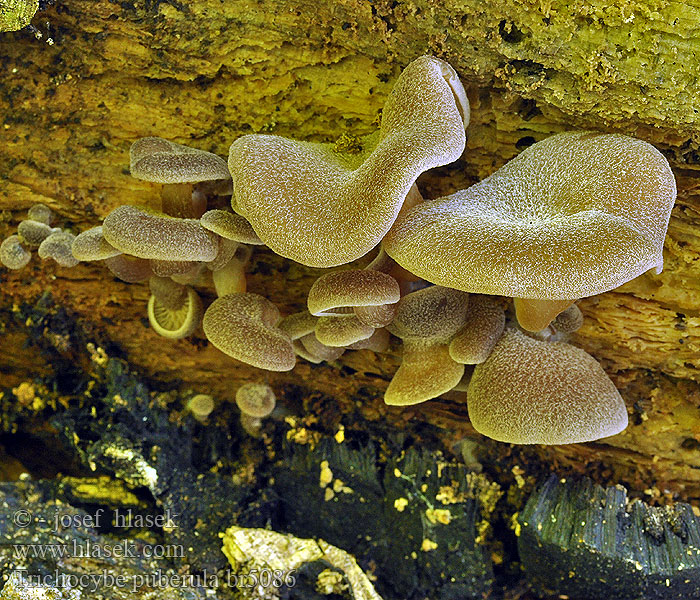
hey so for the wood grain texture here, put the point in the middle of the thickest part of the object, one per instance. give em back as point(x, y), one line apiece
point(204, 72)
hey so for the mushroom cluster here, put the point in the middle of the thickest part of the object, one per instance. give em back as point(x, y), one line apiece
point(574, 215)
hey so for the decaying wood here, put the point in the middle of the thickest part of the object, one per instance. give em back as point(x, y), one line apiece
point(204, 72)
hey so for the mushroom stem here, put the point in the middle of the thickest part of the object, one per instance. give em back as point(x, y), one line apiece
point(534, 314)
point(176, 201)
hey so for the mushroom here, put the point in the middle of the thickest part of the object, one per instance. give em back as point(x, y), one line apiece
point(40, 213)
point(13, 254)
point(483, 328)
point(575, 215)
point(129, 268)
point(230, 226)
point(148, 234)
point(569, 320)
point(533, 392)
point(58, 246)
point(426, 320)
point(377, 342)
point(91, 245)
point(535, 314)
point(333, 294)
point(174, 317)
point(32, 233)
point(244, 327)
point(201, 406)
point(230, 279)
point(318, 350)
point(341, 330)
point(323, 207)
point(178, 167)
point(255, 401)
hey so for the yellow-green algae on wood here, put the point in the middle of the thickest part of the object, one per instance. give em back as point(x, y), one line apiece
point(16, 14)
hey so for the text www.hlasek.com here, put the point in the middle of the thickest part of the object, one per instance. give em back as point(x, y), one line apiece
point(87, 549)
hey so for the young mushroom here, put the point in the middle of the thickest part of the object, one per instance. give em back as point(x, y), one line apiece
point(58, 246)
point(13, 254)
point(255, 401)
point(574, 215)
point(322, 207)
point(174, 311)
point(486, 320)
point(533, 392)
point(91, 245)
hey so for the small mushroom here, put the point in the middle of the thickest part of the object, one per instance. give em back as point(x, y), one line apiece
point(40, 213)
point(91, 245)
point(231, 278)
point(320, 351)
point(201, 406)
point(13, 254)
point(536, 314)
point(377, 342)
point(255, 401)
point(569, 320)
point(58, 246)
point(323, 207)
point(175, 320)
point(32, 233)
point(533, 392)
point(483, 328)
point(129, 268)
point(341, 330)
point(298, 325)
point(230, 226)
point(244, 327)
point(147, 234)
point(352, 288)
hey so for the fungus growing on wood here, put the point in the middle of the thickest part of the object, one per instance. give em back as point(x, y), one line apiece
point(174, 317)
point(572, 216)
point(230, 226)
point(91, 245)
point(201, 406)
point(255, 401)
point(533, 392)
point(32, 233)
point(323, 208)
point(336, 293)
point(13, 254)
point(129, 268)
point(569, 320)
point(244, 327)
point(486, 320)
point(426, 320)
point(147, 234)
point(341, 330)
point(230, 279)
point(318, 351)
point(58, 246)
point(40, 213)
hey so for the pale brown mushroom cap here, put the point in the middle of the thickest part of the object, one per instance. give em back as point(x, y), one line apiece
point(230, 226)
point(298, 325)
point(91, 245)
point(58, 246)
point(322, 208)
point(129, 268)
point(32, 233)
point(168, 268)
point(425, 373)
point(201, 406)
point(13, 254)
point(486, 320)
point(569, 320)
point(319, 350)
point(256, 400)
point(377, 342)
point(535, 314)
point(40, 213)
point(244, 327)
point(433, 314)
point(355, 287)
point(376, 316)
point(572, 216)
point(532, 392)
point(172, 321)
point(162, 161)
point(147, 234)
point(341, 330)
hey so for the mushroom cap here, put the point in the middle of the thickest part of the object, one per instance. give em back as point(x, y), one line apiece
point(319, 350)
point(376, 316)
point(244, 327)
point(532, 392)
point(256, 400)
point(32, 233)
point(434, 313)
point(168, 293)
point(40, 213)
point(535, 314)
point(341, 330)
point(484, 326)
point(355, 287)
point(299, 324)
point(91, 245)
point(426, 371)
point(58, 246)
point(168, 268)
point(147, 234)
point(13, 254)
point(162, 161)
point(323, 208)
point(569, 320)
point(574, 215)
point(377, 342)
point(201, 405)
point(129, 268)
point(230, 226)
point(175, 322)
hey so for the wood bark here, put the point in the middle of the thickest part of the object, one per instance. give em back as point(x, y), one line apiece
point(205, 72)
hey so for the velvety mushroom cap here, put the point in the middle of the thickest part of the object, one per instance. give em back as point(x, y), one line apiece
point(425, 373)
point(320, 350)
point(569, 320)
point(256, 400)
point(572, 216)
point(321, 207)
point(230, 226)
point(32, 233)
point(91, 245)
point(201, 406)
point(147, 234)
point(532, 392)
point(40, 213)
point(244, 327)
point(534, 314)
point(354, 287)
point(485, 322)
point(162, 161)
point(298, 325)
point(173, 321)
point(341, 330)
point(168, 268)
point(13, 254)
point(58, 246)
point(377, 342)
point(129, 268)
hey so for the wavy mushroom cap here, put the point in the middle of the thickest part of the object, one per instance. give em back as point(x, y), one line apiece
point(346, 289)
point(299, 324)
point(244, 327)
point(532, 392)
point(13, 254)
point(574, 215)
point(256, 400)
point(58, 246)
point(147, 234)
point(32, 233)
point(432, 314)
point(230, 226)
point(162, 161)
point(91, 245)
point(175, 320)
point(486, 320)
point(318, 350)
point(341, 330)
point(40, 213)
point(322, 208)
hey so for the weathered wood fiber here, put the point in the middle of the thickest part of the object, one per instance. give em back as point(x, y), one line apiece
point(204, 72)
